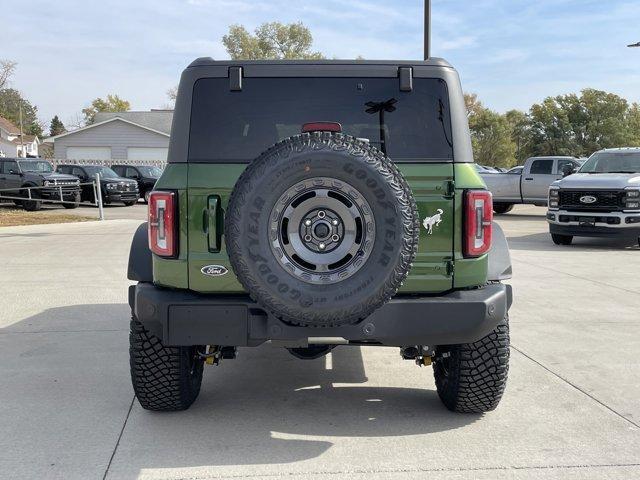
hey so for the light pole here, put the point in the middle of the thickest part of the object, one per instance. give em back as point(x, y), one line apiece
point(427, 29)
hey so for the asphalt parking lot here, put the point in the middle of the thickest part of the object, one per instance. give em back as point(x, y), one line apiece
point(67, 411)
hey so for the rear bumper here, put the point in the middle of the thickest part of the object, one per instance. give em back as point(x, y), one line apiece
point(182, 317)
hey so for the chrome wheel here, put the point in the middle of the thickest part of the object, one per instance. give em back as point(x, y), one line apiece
point(322, 230)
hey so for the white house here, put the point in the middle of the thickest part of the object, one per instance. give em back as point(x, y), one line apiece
point(12, 143)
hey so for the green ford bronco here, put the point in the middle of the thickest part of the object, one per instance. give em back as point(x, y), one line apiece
point(315, 204)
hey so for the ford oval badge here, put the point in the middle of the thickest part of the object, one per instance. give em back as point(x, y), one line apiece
point(589, 199)
point(214, 270)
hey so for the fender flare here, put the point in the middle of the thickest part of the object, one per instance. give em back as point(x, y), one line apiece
point(499, 257)
point(140, 257)
point(29, 184)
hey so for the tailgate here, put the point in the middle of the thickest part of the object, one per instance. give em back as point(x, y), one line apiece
point(432, 187)
point(209, 189)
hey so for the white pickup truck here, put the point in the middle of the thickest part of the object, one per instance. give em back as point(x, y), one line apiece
point(531, 186)
point(601, 200)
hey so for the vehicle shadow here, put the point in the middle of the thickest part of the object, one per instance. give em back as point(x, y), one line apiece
point(543, 242)
point(518, 217)
point(265, 407)
point(285, 409)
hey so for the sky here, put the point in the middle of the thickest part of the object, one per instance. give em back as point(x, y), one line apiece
point(512, 53)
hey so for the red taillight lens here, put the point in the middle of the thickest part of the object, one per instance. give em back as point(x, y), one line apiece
point(162, 224)
point(478, 217)
point(322, 127)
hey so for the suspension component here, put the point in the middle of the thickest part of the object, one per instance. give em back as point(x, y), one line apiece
point(421, 354)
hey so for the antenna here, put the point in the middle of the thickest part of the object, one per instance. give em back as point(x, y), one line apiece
point(427, 29)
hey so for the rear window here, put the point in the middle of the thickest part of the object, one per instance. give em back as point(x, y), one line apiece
point(235, 127)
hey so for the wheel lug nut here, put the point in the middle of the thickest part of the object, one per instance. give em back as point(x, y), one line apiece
point(334, 222)
point(307, 222)
point(307, 238)
point(321, 214)
point(335, 238)
point(322, 246)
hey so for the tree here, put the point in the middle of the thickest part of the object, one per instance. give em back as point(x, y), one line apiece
point(472, 104)
point(7, 67)
point(520, 126)
point(113, 103)
point(490, 134)
point(491, 139)
point(56, 127)
point(601, 121)
point(633, 121)
point(10, 102)
point(581, 124)
point(551, 131)
point(172, 94)
point(272, 40)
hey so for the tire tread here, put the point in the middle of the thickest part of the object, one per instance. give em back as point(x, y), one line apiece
point(160, 375)
point(359, 151)
point(477, 373)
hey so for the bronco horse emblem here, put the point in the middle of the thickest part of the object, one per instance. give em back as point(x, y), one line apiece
point(434, 221)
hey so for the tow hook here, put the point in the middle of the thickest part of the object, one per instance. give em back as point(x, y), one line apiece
point(424, 361)
point(214, 354)
point(421, 354)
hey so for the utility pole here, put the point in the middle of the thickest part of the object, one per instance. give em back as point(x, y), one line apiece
point(21, 131)
point(427, 29)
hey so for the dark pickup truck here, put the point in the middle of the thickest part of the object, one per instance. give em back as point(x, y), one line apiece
point(114, 188)
point(145, 175)
point(22, 173)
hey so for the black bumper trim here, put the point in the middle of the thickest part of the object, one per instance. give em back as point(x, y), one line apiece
point(182, 317)
point(594, 231)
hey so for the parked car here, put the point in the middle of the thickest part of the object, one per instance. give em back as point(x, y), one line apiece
point(114, 188)
point(481, 168)
point(33, 172)
point(530, 185)
point(601, 200)
point(296, 231)
point(146, 176)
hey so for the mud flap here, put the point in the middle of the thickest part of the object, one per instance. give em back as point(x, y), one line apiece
point(140, 259)
point(499, 256)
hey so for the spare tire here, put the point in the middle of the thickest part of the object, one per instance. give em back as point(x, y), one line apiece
point(321, 229)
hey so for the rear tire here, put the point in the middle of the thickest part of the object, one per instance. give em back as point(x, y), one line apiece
point(561, 239)
point(164, 378)
point(502, 208)
point(129, 204)
point(471, 377)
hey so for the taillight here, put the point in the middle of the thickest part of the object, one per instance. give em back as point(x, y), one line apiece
point(162, 224)
point(321, 127)
point(478, 215)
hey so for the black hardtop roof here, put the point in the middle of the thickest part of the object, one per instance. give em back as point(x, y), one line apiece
point(431, 62)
